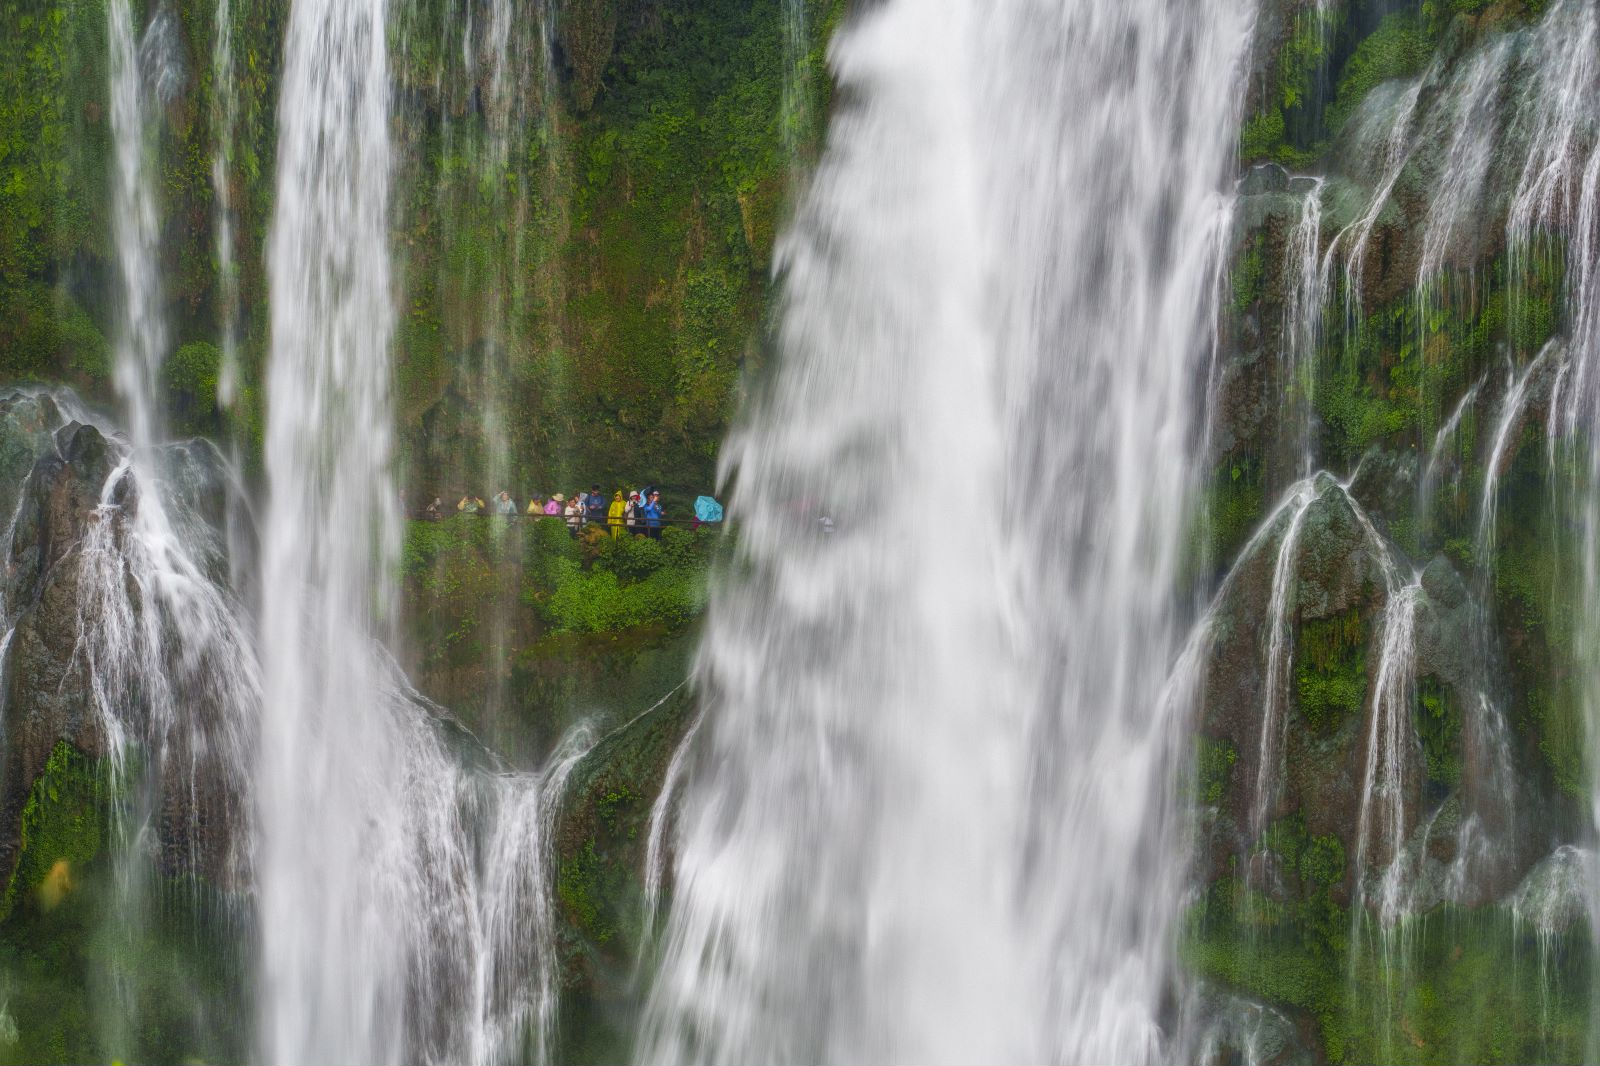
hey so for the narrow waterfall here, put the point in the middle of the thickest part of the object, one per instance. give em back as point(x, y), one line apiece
point(342, 905)
point(933, 788)
point(225, 119)
point(1279, 657)
point(392, 929)
point(143, 343)
point(1303, 325)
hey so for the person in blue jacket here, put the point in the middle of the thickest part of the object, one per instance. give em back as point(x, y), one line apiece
point(594, 508)
point(652, 515)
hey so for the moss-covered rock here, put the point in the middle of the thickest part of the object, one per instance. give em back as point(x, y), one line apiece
point(600, 877)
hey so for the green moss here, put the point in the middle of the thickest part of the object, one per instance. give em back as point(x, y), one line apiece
point(578, 889)
point(1331, 670)
point(62, 822)
point(1262, 136)
point(653, 190)
point(1236, 506)
point(92, 981)
point(1398, 48)
point(190, 376)
point(1322, 861)
point(1474, 988)
point(1398, 373)
point(1438, 724)
point(46, 335)
point(1214, 769)
point(1288, 128)
point(1249, 269)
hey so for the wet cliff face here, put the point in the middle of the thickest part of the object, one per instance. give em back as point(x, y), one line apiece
point(1391, 763)
point(584, 231)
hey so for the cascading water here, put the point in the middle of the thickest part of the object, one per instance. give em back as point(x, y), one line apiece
point(225, 119)
point(1303, 323)
point(1275, 707)
point(143, 345)
point(355, 867)
point(917, 749)
point(386, 935)
point(171, 676)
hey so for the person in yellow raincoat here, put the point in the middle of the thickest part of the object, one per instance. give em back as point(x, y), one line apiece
point(614, 514)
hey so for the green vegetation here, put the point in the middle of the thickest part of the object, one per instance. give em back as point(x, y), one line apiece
point(1438, 723)
point(594, 584)
point(1330, 670)
point(1397, 375)
point(61, 829)
point(1214, 769)
point(626, 248)
point(1457, 986)
point(1287, 128)
point(1398, 48)
point(53, 186)
point(602, 841)
point(1248, 272)
point(1236, 506)
point(1537, 610)
point(190, 377)
point(653, 185)
point(179, 961)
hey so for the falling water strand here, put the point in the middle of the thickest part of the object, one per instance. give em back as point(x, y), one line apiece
point(333, 775)
point(142, 339)
point(1000, 287)
point(1442, 440)
point(1507, 428)
point(224, 119)
point(170, 672)
point(1473, 130)
point(517, 913)
point(1559, 193)
point(1279, 656)
point(1353, 240)
point(384, 917)
point(661, 812)
point(1303, 322)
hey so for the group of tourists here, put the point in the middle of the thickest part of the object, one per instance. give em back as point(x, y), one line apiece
point(638, 512)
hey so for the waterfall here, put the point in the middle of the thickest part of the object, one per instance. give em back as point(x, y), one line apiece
point(1280, 656)
point(1473, 129)
point(516, 982)
point(1510, 423)
point(661, 817)
point(1397, 147)
point(1303, 323)
point(142, 346)
point(342, 907)
point(940, 822)
point(172, 680)
point(392, 929)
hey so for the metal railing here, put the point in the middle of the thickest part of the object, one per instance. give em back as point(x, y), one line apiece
point(639, 525)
